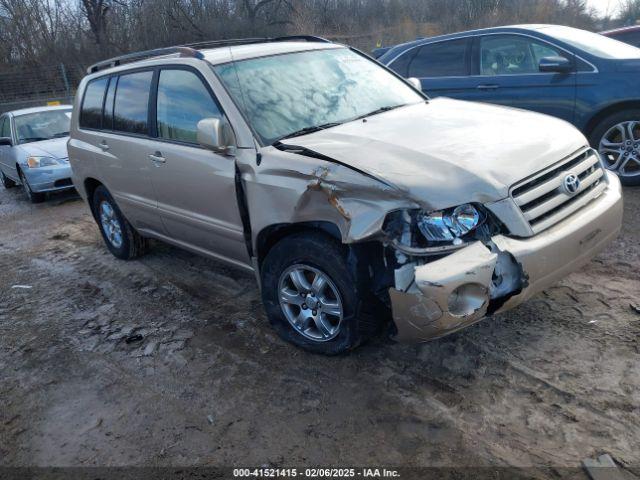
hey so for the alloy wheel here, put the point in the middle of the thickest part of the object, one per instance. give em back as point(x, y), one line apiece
point(110, 224)
point(620, 148)
point(311, 302)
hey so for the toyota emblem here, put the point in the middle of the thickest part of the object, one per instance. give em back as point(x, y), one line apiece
point(571, 183)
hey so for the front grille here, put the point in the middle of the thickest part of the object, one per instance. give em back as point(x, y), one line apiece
point(543, 199)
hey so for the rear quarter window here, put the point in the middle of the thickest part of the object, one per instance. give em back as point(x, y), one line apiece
point(91, 110)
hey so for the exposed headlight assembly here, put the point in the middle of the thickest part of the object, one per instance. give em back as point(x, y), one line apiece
point(449, 225)
point(416, 233)
point(39, 162)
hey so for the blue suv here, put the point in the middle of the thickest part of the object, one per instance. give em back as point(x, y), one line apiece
point(584, 78)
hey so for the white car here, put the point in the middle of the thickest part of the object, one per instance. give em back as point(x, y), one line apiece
point(33, 150)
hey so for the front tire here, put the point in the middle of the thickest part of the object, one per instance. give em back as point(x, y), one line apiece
point(617, 138)
point(34, 197)
point(118, 234)
point(6, 181)
point(312, 297)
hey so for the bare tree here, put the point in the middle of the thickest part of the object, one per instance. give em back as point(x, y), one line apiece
point(630, 12)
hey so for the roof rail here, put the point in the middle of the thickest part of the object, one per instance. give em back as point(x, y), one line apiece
point(191, 49)
point(305, 38)
point(182, 51)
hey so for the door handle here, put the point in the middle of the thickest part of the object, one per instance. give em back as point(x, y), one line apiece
point(103, 145)
point(157, 158)
point(488, 87)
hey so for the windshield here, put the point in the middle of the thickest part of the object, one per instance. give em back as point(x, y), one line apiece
point(593, 43)
point(284, 94)
point(45, 125)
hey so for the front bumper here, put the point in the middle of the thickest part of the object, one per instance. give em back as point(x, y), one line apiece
point(422, 312)
point(49, 179)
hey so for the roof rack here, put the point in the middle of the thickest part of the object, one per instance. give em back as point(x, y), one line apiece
point(191, 49)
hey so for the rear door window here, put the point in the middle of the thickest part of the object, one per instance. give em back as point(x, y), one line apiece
point(183, 100)
point(442, 59)
point(91, 111)
point(401, 64)
point(131, 108)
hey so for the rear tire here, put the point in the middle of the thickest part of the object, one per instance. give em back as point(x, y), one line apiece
point(323, 330)
point(6, 181)
point(34, 197)
point(118, 234)
point(617, 135)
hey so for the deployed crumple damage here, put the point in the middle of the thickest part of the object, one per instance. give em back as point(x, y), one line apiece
point(519, 268)
point(288, 188)
point(425, 313)
point(445, 152)
point(353, 175)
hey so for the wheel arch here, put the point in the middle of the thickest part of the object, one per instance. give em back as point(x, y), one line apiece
point(609, 110)
point(90, 185)
point(269, 236)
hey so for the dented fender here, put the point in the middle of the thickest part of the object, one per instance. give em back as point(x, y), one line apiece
point(287, 188)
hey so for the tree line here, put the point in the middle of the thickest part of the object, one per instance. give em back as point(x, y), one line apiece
point(36, 33)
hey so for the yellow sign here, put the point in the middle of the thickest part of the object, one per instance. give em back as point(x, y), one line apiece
point(53, 103)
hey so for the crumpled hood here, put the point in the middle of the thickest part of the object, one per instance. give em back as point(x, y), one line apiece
point(446, 152)
point(56, 148)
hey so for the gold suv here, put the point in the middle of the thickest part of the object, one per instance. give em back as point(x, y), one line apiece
point(355, 200)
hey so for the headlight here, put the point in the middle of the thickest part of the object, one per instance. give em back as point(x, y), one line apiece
point(448, 225)
point(416, 233)
point(38, 162)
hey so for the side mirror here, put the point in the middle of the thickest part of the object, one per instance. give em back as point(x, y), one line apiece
point(6, 142)
point(555, 64)
point(416, 83)
point(216, 134)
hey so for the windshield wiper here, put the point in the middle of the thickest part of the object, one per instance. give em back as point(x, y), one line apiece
point(61, 134)
point(379, 110)
point(34, 139)
point(306, 130)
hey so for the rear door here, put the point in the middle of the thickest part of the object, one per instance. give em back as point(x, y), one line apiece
point(443, 67)
point(506, 71)
point(195, 186)
point(118, 117)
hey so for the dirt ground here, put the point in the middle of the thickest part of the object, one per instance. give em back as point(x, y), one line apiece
point(209, 383)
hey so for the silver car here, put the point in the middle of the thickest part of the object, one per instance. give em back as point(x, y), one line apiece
point(33, 150)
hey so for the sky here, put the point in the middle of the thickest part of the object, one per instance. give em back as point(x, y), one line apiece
point(605, 6)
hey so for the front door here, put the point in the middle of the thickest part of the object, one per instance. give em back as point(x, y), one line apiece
point(195, 186)
point(506, 71)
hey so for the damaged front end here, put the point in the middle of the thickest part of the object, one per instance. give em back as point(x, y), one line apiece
point(487, 270)
point(448, 271)
point(438, 269)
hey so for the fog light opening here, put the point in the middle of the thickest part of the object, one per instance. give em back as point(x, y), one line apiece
point(467, 299)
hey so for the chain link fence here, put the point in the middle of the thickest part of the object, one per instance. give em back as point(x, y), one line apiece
point(24, 87)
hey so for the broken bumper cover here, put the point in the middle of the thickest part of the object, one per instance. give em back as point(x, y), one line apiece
point(431, 306)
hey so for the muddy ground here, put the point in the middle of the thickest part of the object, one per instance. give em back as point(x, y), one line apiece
point(550, 383)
